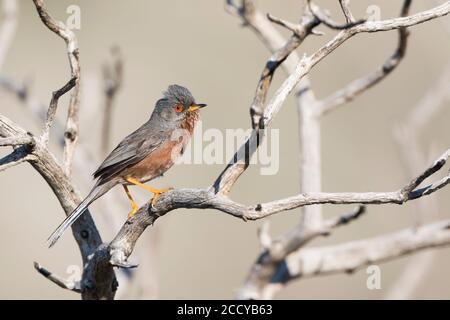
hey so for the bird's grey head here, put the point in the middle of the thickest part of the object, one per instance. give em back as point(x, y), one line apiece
point(178, 94)
point(176, 105)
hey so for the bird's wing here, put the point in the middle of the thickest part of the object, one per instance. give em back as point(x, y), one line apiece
point(130, 151)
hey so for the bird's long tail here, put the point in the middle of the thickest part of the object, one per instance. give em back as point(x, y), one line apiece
point(95, 193)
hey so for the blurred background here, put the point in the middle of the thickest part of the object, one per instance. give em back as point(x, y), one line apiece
point(207, 254)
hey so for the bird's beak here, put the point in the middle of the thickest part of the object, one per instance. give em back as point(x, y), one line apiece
point(196, 106)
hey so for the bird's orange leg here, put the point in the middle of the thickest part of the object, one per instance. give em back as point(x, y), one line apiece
point(134, 206)
point(156, 192)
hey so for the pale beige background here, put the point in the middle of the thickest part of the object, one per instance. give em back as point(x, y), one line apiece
point(206, 254)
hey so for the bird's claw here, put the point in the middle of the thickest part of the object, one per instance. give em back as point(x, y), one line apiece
point(132, 212)
point(156, 195)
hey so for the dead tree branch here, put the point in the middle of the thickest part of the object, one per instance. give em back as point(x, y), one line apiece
point(349, 257)
point(353, 89)
point(345, 6)
point(122, 246)
point(63, 283)
point(309, 112)
point(324, 17)
point(379, 249)
point(84, 230)
point(93, 286)
point(406, 135)
point(72, 123)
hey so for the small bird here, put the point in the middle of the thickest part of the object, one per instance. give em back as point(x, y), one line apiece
point(145, 154)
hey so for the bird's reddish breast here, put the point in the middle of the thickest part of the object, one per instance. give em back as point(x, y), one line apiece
point(163, 157)
point(155, 164)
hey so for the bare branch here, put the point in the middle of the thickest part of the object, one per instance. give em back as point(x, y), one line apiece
point(81, 160)
point(21, 153)
point(297, 29)
point(235, 167)
point(355, 88)
point(406, 136)
point(303, 235)
point(232, 8)
point(294, 28)
point(310, 148)
point(436, 166)
point(273, 40)
point(305, 101)
point(307, 63)
point(63, 283)
point(16, 141)
point(71, 130)
point(374, 26)
point(99, 286)
point(345, 218)
point(345, 6)
point(347, 257)
point(268, 272)
point(299, 237)
point(264, 30)
point(310, 145)
point(264, 237)
point(324, 17)
point(353, 255)
point(38, 110)
point(122, 246)
point(93, 285)
point(52, 109)
point(18, 156)
point(301, 32)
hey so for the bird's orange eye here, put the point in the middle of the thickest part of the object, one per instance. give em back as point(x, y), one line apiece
point(178, 108)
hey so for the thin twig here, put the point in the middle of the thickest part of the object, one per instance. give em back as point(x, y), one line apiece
point(326, 20)
point(345, 6)
point(52, 109)
point(18, 156)
point(63, 283)
point(359, 86)
point(302, 31)
point(345, 218)
point(349, 257)
point(72, 122)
